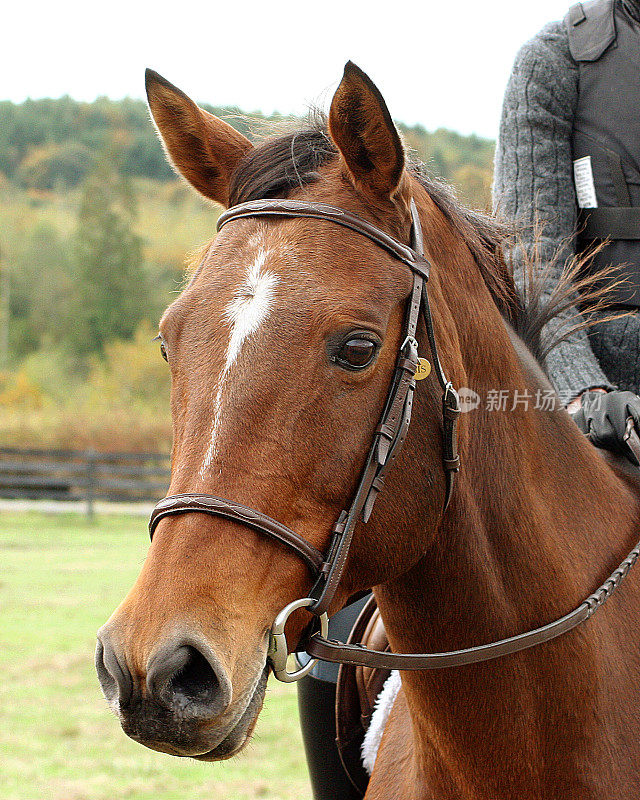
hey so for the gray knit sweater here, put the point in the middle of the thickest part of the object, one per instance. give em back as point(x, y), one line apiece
point(534, 184)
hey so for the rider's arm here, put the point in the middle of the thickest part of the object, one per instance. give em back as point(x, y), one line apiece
point(534, 186)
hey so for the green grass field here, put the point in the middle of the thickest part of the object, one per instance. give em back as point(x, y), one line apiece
point(60, 578)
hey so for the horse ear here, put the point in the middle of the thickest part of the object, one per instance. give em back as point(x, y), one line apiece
point(362, 129)
point(201, 147)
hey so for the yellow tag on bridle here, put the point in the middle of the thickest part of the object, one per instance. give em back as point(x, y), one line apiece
point(423, 369)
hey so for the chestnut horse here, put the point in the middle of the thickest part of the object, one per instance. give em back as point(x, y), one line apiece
point(281, 350)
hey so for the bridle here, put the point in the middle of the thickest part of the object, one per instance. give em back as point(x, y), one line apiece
point(387, 441)
point(388, 437)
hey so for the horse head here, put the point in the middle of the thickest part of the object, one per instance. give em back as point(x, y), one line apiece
point(281, 349)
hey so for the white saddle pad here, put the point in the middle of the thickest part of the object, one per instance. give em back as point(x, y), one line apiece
point(381, 712)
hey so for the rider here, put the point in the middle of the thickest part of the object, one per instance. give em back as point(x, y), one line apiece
point(568, 158)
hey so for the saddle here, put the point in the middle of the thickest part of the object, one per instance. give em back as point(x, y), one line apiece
point(356, 694)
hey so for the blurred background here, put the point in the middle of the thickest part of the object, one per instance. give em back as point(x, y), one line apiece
point(95, 233)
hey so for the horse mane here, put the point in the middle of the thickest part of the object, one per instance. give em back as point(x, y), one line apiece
point(278, 165)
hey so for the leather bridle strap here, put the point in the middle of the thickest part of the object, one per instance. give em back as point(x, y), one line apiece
point(340, 653)
point(392, 429)
point(389, 437)
point(414, 259)
point(450, 399)
point(217, 507)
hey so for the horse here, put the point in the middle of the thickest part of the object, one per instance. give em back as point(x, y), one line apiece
point(281, 349)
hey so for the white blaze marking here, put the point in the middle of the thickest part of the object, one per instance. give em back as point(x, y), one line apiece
point(251, 305)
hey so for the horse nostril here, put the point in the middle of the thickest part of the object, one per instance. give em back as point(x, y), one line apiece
point(113, 674)
point(184, 678)
point(195, 681)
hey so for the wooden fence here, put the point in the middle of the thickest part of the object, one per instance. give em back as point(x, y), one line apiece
point(82, 475)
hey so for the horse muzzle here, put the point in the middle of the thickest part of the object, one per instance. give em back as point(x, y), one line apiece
point(182, 703)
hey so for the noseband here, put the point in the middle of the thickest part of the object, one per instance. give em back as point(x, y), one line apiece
point(387, 441)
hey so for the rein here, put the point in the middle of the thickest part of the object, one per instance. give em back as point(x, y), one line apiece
point(388, 438)
point(322, 648)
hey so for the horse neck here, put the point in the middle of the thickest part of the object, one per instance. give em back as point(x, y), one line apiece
point(537, 521)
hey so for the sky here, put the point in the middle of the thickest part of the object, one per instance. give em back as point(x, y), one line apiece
point(440, 64)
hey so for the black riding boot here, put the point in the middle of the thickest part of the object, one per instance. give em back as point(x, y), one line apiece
point(317, 705)
point(316, 701)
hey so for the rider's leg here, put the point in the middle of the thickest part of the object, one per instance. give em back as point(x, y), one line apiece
point(316, 701)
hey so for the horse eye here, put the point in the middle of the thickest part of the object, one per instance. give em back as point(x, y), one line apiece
point(357, 353)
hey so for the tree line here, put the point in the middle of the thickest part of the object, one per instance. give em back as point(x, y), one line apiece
point(50, 144)
point(94, 230)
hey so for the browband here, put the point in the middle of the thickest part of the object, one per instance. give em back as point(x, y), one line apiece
point(414, 259)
